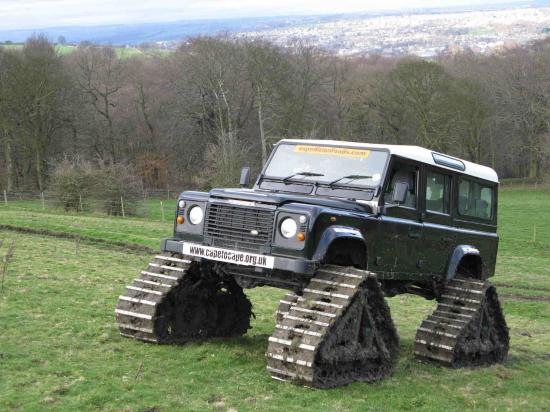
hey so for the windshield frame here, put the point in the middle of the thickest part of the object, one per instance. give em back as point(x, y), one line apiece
point(315, 182)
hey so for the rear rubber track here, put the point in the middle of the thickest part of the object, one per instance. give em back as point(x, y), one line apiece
point(175, 300)
point(466, 329)
point(337, 330)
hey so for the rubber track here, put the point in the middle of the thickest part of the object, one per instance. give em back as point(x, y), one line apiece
point(140, 308)
point(299, 349)
point(466, 329)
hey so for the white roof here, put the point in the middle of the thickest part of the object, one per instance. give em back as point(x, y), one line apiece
point(417, 153)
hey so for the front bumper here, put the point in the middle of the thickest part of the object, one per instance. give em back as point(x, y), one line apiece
point(296, 265)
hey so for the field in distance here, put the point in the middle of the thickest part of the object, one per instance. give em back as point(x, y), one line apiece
point(60, 348)
point(122, 52)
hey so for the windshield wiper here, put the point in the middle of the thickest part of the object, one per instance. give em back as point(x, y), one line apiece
point(306, 174)
point(351, 177)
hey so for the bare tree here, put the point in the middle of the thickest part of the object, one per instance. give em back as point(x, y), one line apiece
point(267, 70)
point(99, 77)
point(216, 71)
point(8, 67)
point(527, 94)
point(39, 82)
point(473, 112)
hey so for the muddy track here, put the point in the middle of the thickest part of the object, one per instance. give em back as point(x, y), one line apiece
point(84, 239)
point(524, 298)
point(176, 301)
point(510, 286)
point(466, 329)
point(337, 330)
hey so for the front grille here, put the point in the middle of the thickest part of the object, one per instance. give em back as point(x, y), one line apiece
point(231, 226)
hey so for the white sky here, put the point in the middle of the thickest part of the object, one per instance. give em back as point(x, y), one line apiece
point(23, 14)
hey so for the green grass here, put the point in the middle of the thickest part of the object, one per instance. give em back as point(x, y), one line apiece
point(60, 349)
point(142, 231)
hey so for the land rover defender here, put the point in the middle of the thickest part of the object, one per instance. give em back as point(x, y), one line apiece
point(341, 226)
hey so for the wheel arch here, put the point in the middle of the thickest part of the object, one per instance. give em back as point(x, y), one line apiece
point(465, 257)
point(338, 238)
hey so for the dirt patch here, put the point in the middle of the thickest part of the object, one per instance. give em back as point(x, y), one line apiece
point(83, 239)
point(524, 298)
point(508, 285)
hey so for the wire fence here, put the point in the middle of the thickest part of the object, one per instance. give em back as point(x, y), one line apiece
point(157, 204)
point(153, 205)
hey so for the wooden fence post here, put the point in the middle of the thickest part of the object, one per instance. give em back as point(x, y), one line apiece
point(162, 210)
point(42, 197)
point(5, 197)
point(122, 206)
point(80, 202)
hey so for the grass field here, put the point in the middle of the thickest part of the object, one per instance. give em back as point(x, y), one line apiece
point(60, 349)
point(121, 51)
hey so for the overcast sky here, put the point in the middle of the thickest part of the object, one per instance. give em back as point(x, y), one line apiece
point(22, 14)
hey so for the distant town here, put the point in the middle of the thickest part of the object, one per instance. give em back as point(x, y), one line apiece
point(424, 35)
point(425, 32)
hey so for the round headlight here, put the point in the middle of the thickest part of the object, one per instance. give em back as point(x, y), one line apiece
point(289, 227)
point(196, 215)
point(181, 204)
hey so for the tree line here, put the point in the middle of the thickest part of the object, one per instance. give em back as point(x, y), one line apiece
point(193, 117)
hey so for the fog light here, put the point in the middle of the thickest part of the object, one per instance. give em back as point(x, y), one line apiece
point(301, 237)
point(180, 220)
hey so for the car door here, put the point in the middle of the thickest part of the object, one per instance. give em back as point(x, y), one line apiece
point(439, 237)
point(401, 230)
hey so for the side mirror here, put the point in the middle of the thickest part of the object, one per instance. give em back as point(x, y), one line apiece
point(245, 176)
point(399, 194)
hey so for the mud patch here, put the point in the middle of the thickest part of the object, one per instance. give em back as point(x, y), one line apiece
point(510, 286)
point(84, 239)
point(524, 298)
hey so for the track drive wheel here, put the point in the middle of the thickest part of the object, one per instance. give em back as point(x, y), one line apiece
point(337, 331)
point(466, 329)
point(175, 301)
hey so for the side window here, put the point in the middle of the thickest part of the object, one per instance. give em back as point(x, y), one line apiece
point(475, 199)
point(403, 174)
point(438, 192)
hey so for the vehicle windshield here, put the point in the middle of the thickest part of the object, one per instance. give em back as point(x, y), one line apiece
point(339, 166)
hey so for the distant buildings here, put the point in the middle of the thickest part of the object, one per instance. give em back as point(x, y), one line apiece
point(423, 35)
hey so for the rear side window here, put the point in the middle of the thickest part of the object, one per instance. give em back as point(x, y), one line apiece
point(475, 199)
point(438, 192)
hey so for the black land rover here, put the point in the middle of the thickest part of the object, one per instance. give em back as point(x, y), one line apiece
point(341, 225)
